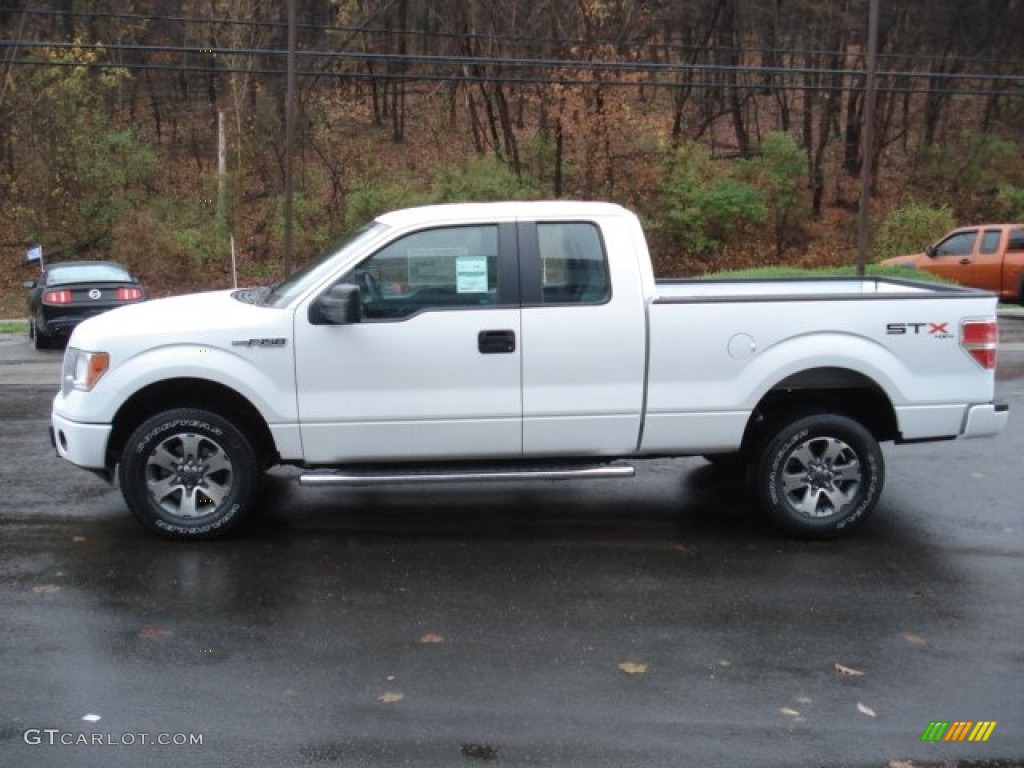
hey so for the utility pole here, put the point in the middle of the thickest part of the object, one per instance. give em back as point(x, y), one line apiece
point(222, 172)
point(868, 145)
point(289, 142)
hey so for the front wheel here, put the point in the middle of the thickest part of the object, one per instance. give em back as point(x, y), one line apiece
point(188, 473)
point(819, 475)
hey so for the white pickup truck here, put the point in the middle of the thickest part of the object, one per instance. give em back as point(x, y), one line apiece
point(508, 341)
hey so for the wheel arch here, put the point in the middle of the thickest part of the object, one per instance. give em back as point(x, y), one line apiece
point(190, 392)
point(826, 389)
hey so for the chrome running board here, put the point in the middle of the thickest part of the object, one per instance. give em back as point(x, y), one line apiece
point(353, 476)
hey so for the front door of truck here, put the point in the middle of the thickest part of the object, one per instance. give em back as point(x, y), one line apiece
point(953, 257)
point(433, 369)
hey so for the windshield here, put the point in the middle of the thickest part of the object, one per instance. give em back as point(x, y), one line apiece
point(311, 273)
point(87, 273)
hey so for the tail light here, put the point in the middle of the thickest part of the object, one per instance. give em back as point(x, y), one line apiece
point(979, 339)
point(57, 297)
point(129, 294)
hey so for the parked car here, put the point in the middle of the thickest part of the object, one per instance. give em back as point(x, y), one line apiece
point(524, 341)
point(67, 293)
point(989, 256)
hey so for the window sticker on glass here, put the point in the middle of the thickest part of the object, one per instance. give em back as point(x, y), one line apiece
point(471, 274)
point(433, 266)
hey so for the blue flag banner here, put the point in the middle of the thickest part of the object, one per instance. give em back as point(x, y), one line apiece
point(35, 253)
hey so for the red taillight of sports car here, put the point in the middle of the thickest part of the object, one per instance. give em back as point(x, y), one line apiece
point(129, 294)
point(57, 297)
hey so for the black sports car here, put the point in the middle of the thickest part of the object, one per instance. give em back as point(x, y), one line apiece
point(66, 294)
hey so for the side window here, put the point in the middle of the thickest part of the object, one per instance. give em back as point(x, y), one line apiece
point(573, 265)
point(960, 244)
point(1016, 240)
point(990, 241)
point(442, 268)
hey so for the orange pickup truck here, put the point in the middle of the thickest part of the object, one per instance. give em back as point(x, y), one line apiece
point(989, 256)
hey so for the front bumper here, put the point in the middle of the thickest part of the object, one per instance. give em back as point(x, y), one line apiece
point(986, 420)
point(84, 445)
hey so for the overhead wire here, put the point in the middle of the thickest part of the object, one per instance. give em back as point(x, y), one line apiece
point(503, 69)
point(472, 35)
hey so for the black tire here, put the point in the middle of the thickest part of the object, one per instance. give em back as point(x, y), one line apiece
point(188, 473)
point(41, 341)
point(819, 475)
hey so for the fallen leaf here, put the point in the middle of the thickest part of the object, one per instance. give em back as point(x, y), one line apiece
point(431, 639)
point(153, 632)
point(390, 697)
point(866, 710)
point(633, 668)
point(916, 640)
point(45, 589)
point(845, 671)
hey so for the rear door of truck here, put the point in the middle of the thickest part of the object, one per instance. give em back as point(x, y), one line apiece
point(584, 337)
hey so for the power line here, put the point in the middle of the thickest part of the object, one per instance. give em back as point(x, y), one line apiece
point(532, 40)
point(508, 80)
point(504, 63)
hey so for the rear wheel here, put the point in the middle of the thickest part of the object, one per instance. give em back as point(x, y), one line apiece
point(189, 473)
point(40, 340)
point(819, 475)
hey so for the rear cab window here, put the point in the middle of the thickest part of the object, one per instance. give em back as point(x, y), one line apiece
point(990, 242)
point(574, 265)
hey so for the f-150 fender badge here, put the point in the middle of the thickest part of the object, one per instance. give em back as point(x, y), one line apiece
point(275, 342)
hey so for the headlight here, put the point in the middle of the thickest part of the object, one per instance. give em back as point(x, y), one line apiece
point(82, 369)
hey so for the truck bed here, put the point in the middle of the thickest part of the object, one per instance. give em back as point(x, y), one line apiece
point(771, 289)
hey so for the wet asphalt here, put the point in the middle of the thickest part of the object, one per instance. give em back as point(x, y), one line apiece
point(649, 622)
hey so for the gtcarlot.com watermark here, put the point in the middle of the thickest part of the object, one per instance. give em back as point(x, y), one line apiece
point(57, 737)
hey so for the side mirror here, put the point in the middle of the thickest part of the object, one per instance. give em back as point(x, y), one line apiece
point(341, 305)
point(29, 284)
point(930, 251)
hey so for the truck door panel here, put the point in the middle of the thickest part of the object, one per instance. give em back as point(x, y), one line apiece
point(433, 369)
point(987, 270)
point(584, 340)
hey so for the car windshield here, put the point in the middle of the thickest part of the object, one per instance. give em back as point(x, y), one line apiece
point(87, 273)
point(311, 273)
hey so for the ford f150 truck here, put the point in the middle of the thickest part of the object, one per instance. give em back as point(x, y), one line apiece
point(990, 257)
point(508, 341)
